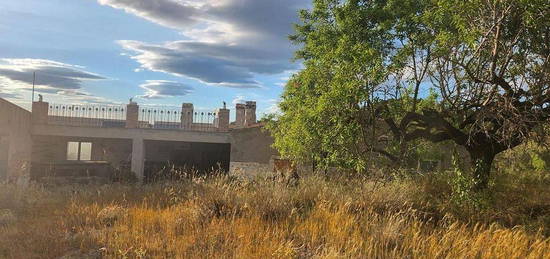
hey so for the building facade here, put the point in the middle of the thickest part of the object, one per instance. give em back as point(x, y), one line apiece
point(60, 140)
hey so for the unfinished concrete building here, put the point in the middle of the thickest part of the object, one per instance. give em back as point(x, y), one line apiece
point(62, 140)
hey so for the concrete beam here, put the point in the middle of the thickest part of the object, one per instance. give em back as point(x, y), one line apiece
point(123, 133)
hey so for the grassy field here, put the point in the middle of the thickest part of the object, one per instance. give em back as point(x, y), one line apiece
point(411, 217)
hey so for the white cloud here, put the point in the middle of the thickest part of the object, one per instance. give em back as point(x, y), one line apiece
point(285, 77)
point(228, 42)
point(174, 14)
point(273, 107)
point(84, 97)
point(49, 74)
point(208, 63)
point(239, 99)
point(156, 89)
point(57, 81)
point(9, 95)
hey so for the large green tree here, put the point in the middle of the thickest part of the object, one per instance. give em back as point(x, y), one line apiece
point(474, 72)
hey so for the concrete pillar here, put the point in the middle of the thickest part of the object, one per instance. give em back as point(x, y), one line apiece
point(138, 158)
point(19, 159)
point(132, 115)
point(250, 114)
point(186, 115)
point(4, 157)
point(40, 112)
point(222, 120)
point(240, 114)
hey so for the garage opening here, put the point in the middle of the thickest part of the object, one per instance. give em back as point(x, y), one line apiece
point(162, 158)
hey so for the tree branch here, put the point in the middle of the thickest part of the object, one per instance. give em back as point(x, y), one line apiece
point(386, 154)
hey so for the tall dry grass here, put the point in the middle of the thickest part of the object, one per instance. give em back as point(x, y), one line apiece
point(412, 217)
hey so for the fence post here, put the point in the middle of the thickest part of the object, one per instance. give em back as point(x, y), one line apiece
point(186, 115)
point(222, 119)
point(40, 112)
point(239, 114)
point(132, 115)
point(250, 114)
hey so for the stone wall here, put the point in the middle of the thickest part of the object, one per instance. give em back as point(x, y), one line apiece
point(250, 169)
point(251, 152)
point(15, 143)
point(251, 145)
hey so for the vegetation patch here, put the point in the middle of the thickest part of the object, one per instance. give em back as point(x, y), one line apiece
point(322, 216)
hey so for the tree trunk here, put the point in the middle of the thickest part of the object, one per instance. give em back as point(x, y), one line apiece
point(403, 149)
point(482, 160)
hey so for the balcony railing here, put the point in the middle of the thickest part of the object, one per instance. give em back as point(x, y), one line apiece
point(173, 118)
point(148, 117)
point(105, 116)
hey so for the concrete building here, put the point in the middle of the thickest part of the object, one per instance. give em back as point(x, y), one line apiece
point(84, 140)
point(15, 142)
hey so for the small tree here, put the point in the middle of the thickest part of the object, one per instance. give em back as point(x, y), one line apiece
point(486, 63)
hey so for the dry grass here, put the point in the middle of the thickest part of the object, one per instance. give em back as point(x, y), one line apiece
point(223, 217)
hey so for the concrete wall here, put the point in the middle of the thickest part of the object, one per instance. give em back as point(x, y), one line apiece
point(251, 145)
point(250, 169)
point(123, 133)
point(15, 141)
point(52, 150)
point(136, 136)
point(251, 152)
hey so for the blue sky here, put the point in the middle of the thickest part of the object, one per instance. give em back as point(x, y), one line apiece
point(158, 51)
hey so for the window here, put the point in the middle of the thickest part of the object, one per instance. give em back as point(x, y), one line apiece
point(79, 151)
point(72, 150)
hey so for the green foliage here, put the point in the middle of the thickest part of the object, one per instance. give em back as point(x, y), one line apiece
point(411, 56)
point(538, 162)
point(463, 185)
point(345, 48)
point(529, 158)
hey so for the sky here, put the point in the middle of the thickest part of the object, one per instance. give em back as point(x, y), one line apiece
point(158, 52)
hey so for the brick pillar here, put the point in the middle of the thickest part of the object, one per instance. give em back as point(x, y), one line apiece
point(40, 112)
point(222, 120)
point(187, 110)
point(250, 113)
point(240, 113)
point(132, 115)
